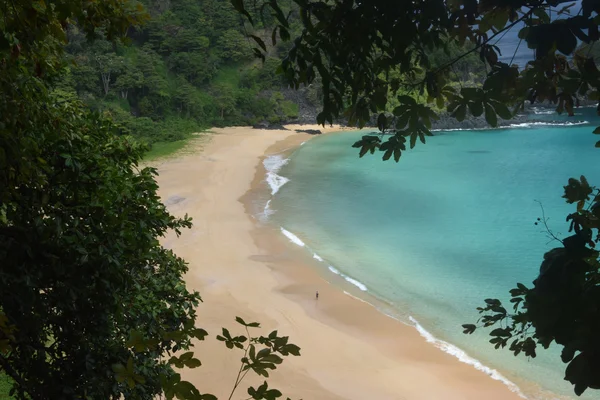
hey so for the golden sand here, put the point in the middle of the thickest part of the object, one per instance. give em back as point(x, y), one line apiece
point(242, 268)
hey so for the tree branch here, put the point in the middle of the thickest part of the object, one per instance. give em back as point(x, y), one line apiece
point(238, 380)
point(477, 47)
point(544, 221)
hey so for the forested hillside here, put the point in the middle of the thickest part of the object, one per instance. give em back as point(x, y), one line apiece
point(190, 66)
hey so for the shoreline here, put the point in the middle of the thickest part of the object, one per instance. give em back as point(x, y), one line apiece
point(350, 349)
point(350, 286)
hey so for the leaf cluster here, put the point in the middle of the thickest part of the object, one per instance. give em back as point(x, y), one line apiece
point(261, 354)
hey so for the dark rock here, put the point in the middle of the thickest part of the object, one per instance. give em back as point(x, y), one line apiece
point(309, 131)
point(261, 125)
point(267, 125)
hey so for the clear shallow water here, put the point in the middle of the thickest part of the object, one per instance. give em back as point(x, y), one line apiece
point(448, 226)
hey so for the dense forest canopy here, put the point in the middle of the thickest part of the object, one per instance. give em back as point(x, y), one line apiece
point(189, 67)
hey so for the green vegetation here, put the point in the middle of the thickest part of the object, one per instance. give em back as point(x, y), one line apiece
point(381, 59)
point(92, 306)
point(5, 386)
point(191, 67)
point(188, 68)
point(163, 149)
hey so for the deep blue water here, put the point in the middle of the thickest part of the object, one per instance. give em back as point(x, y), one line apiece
point(448, 226)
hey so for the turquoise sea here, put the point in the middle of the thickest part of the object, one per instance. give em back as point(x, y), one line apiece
point(448, 226)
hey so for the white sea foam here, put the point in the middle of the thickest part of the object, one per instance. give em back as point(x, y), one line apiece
point(446, 347)
point(442, 345)
point(273, 164)
point(356, 283)
point(353, 281)
point(293, 238)
point(464, 357)
point(542, 111)
point(296, 240)
point(545, 112)
point(512, 126)
point(533, 124)
point(357, 298)
point(267, 212)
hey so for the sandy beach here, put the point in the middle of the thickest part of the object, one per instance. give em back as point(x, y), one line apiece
point(243, 268)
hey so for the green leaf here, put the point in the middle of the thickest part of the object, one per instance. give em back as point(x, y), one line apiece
point(500, 18)
point(502, 110)
point(568, 353)
point(198, 333)
point(130, 365)
point(388, 154)
point(184, 390)
point(490, 115)
point(239, 320)
point(193, 363)
point(407, 100)
point(260, 42)
point(476, 108)
point(381, 122)
point(413, 139)
point(402, 120)
point(566, 42)
point(284, 34)
point(460, 113)
point(364, 150)
point(136, 340)
point(500, 332)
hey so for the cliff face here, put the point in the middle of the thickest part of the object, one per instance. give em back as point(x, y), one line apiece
point(537, 113)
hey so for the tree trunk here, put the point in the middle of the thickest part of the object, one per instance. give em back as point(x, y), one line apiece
point(105, 81)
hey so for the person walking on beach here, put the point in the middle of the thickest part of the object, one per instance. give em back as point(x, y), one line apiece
point(317, 295)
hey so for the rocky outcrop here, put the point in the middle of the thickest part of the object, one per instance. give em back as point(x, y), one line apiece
point(309, 131)
point(308, 115)
point(268, 125)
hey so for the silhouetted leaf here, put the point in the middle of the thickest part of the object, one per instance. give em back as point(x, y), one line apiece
point(490, 115)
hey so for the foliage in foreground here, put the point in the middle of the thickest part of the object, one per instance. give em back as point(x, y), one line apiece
point(92, 306)
point(366, 67)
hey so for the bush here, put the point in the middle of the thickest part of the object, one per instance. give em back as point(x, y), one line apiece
point(289, 109)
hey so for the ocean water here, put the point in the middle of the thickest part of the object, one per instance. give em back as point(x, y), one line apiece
point(448, 226)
